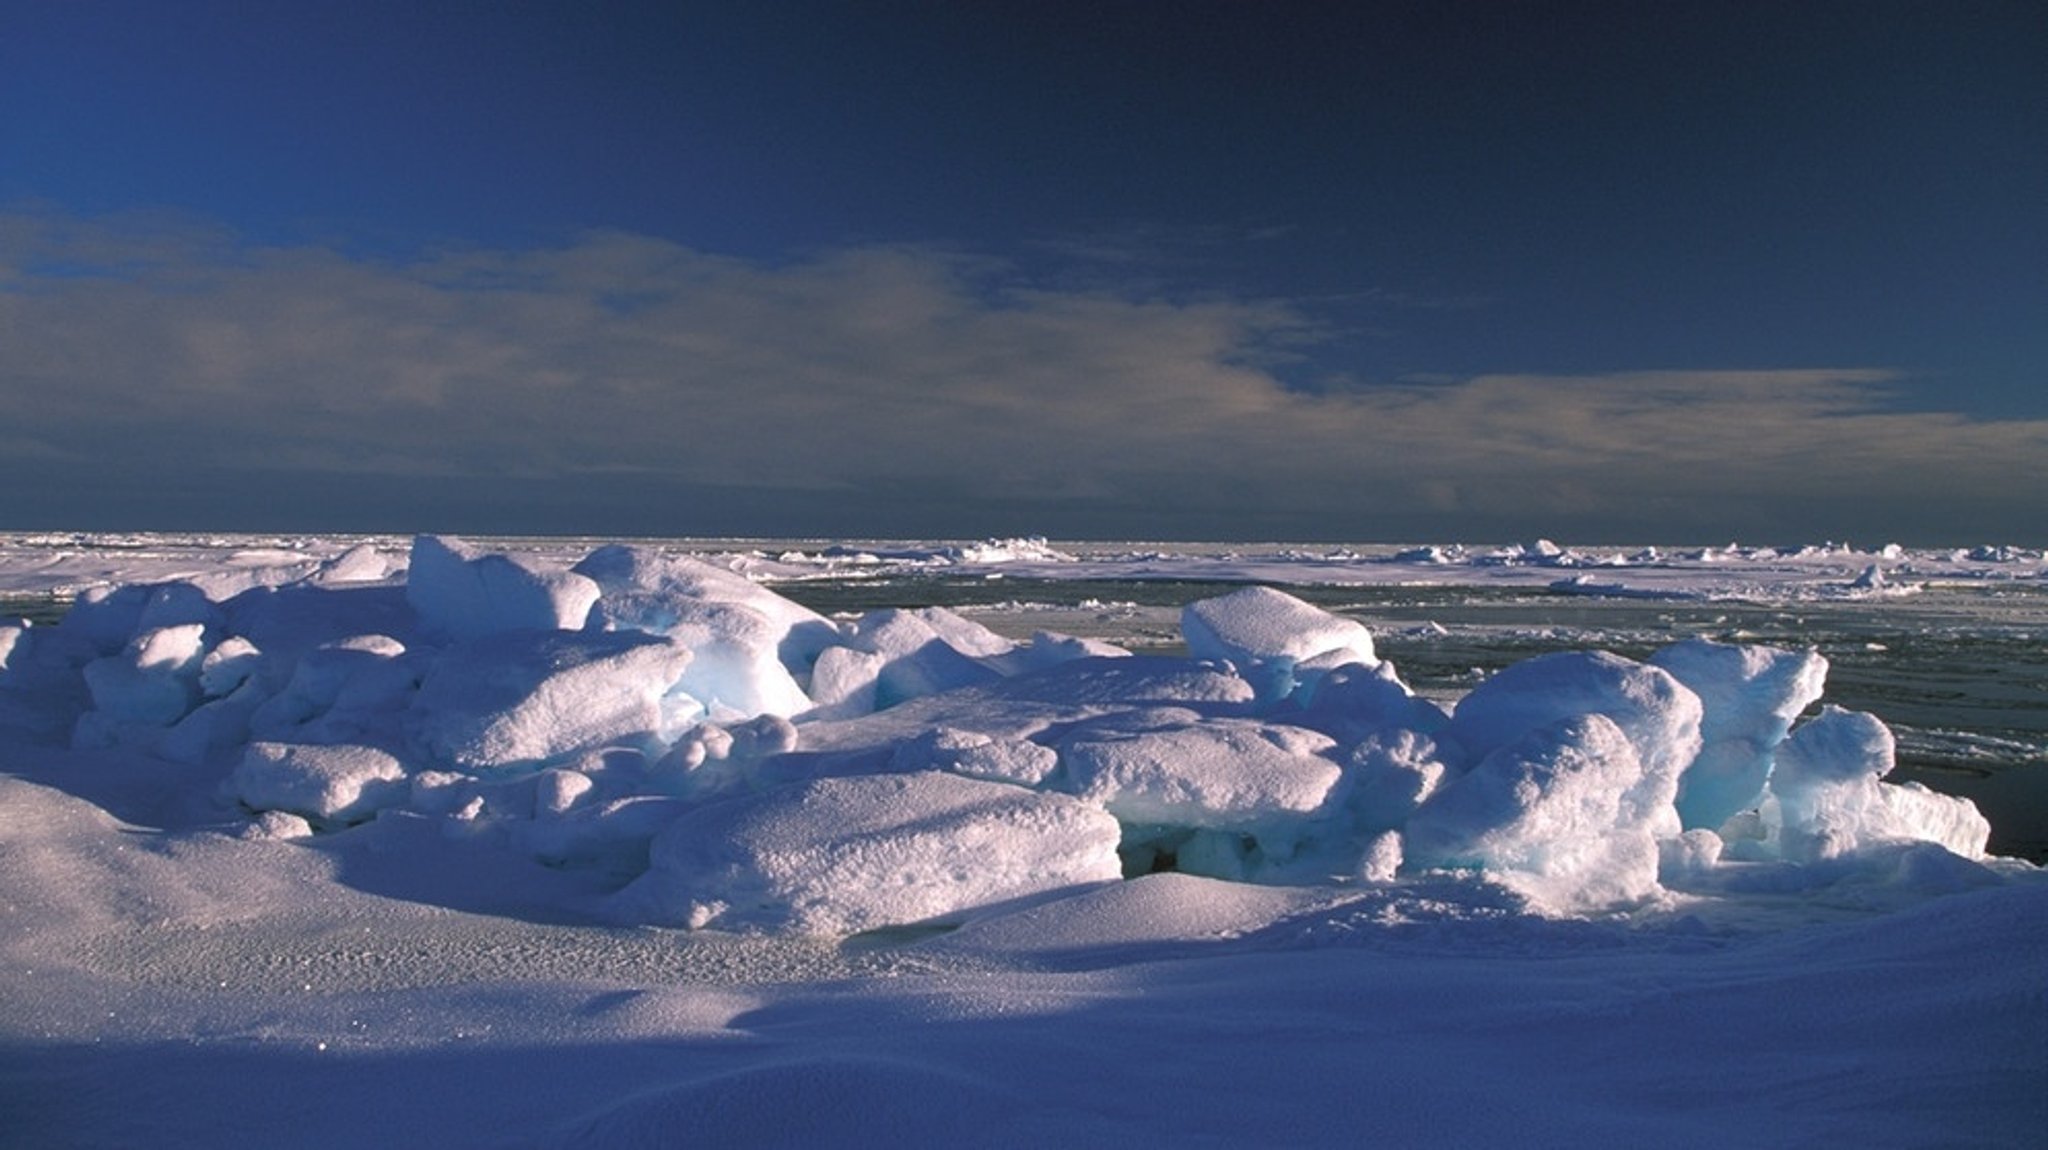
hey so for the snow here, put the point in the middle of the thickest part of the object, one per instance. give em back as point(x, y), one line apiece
point(462, 595)
point(1750, 696)
point(533, 698)
point(843, 855)
point(1274, 637)
point(360, 842)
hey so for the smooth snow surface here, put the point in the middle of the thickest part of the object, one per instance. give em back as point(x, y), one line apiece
point(361, 844)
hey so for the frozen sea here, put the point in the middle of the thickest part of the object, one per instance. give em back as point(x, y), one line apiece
point(168, 977)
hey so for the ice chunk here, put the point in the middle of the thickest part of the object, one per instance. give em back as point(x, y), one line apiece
point(106, 618)
point(1351, 702)
point(1950, 821)
point(14, 638)
point(1749, 697)
point(1381, 860)
point(751, 645)
point(1130, 681)
point(1390, 774)
point(734, 670)
point(1654, 711)
point(1269, 633)
point(528, 698)
point(640, 584)
point(176, 604)
point(1049, 649)
point(328, 783)
point(362, 563)
point(154, 681)
point(228, 666)
point(926, 651)
point(1225, 773)
point(1550, 814)
point(340, 692)
point(842, 855)
point(843, 683)
point(463, 595)
point(215, 726)
point(1828, 797)
point(271, 826)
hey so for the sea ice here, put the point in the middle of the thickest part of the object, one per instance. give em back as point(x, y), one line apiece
point(526, 699)
point(1550, 813)
point(1658, 716)
point(330, 784)
point(1749, 696)
point(1270, 634)
point(1828, 797)
point(586, 713)
point(842, 855)
point(463, 595)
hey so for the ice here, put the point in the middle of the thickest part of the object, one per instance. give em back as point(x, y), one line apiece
point(525, 699)
point(1172, 771)
point(1749, 696)
point(154, 681)
point(911, 653)
point(1657, 714)
point(752, 648)
point(228, 666)
point(362, 563)
point(1552, 813)
point(463, 595)
point(843, 855)
point(977, 756)
point(1274, 637)
point(1828, 797)
point(13, 638)
point(326, 784)
point(571, 708)
point(346, 689)
point(1352, 702)
point(1389, 776)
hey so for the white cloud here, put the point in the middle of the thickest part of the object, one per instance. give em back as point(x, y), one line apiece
point(158, 346)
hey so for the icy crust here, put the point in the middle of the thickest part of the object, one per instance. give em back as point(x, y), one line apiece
point(842, 855)
point(706, 753)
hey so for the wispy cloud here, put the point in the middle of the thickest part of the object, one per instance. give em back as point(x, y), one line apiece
point(148, 347)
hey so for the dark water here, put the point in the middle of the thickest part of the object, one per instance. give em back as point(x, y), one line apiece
point(42, 610)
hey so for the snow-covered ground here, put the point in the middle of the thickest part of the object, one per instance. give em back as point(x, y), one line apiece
point(346, 841)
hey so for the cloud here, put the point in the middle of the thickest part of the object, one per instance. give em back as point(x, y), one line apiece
point(884, 378)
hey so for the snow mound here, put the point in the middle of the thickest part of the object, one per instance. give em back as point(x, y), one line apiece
point(325, 783)
point(464, 595)
point(1553, 813)
point(1270, 634)
point(530, 698)
point(1656, 713)
point(842, 855)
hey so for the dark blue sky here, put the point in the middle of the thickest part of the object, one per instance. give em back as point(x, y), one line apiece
point(1663, 271)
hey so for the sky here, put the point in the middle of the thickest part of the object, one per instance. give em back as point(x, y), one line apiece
point(1670, 272)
